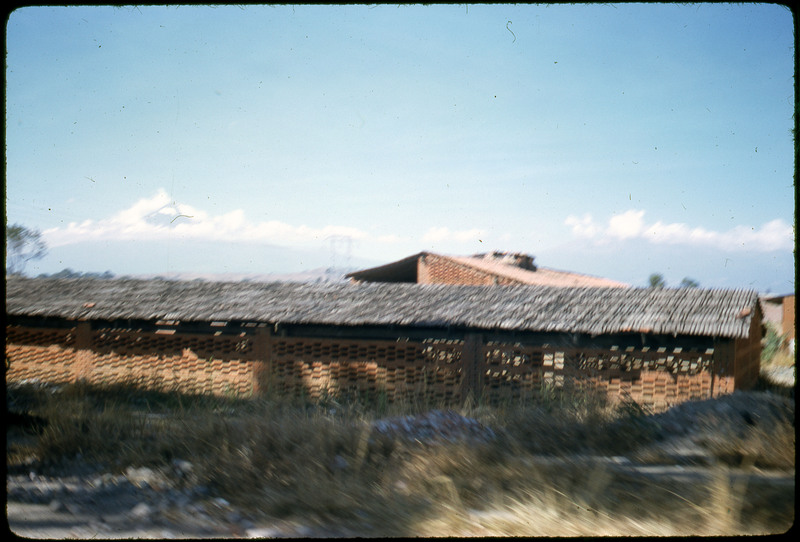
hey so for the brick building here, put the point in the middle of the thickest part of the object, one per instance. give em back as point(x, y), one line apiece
point(436, 342)
point(780, 311)
point(501, 268)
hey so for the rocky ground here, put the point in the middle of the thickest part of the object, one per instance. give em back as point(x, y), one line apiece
point(86, 502)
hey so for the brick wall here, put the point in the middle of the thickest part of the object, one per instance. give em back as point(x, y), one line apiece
point(747, 355)
point(657, 378)
point(439, 371)
point(393, 369)
point(47, 355)
point(435, 270)
point(186, 362)
point(788, 317)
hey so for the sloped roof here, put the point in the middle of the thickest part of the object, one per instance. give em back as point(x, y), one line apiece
point(690, 311)
point(405, 270)
point(542, 275)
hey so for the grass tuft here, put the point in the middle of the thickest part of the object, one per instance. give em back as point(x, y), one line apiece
point(547, 472)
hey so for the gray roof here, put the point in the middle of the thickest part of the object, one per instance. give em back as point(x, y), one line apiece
point(690, 311)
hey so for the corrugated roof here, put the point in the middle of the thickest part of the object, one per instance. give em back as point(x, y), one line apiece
point(691, 311)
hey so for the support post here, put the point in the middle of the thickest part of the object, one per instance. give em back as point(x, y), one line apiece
point(472, 363)
point(83, 351)
point(262, 358)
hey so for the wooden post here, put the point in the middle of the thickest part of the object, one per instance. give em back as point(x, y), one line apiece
point(472, 364)
point(262, 357)
point(724, 367)
point(83, 351)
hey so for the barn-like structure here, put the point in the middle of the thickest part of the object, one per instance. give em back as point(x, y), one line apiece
point(440, 343)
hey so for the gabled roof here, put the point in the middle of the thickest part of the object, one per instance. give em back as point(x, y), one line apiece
point(689, 311)
point(405, 270)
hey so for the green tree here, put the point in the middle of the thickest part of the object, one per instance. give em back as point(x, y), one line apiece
point(689, 283)
point(772, 343)
point(22, 246)
point(656, 280)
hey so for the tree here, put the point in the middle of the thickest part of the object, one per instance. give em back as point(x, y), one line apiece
point(656, 280)
point(68, 273)
point(22, 246)
point(689, 283)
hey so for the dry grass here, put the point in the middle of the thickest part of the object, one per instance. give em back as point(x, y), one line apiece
point(276, 458)
point(783, 358)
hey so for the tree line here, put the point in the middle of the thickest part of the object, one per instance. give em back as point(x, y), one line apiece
point(656, 280)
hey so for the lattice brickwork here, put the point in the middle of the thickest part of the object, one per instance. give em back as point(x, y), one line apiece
point(189, 363)
point(400, 369)
point(210, 347)
point(433, 370)
point(40, 354)
point(185, 373)
point(40, 336)
point(657, 377)
point(659, 389)
point(40, 363)
point(192, 363)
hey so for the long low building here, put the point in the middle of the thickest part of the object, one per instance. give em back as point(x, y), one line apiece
point(446, 342)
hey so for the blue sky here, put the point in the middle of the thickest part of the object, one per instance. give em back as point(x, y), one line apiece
point(614, 140)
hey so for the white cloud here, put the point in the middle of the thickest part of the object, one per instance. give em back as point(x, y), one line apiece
point(158, 218)
point(774, 235)
point(627, 225)
point(582, 226)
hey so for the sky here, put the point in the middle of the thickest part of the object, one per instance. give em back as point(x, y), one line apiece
point(612, 140)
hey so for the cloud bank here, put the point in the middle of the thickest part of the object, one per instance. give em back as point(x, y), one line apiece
point(161, 218)
point(775, 235)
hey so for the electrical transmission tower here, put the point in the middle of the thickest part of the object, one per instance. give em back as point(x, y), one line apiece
point(339, 243)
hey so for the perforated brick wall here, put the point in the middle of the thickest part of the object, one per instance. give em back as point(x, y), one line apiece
point(441, 371)
point(40, 354)
point(220, 365)
point(396, 369)
point(186, 362)
point(657, 378)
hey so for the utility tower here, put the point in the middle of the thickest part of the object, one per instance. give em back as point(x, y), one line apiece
point(339, 244)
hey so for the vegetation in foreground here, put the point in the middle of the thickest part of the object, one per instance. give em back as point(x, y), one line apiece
point(284, 459)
